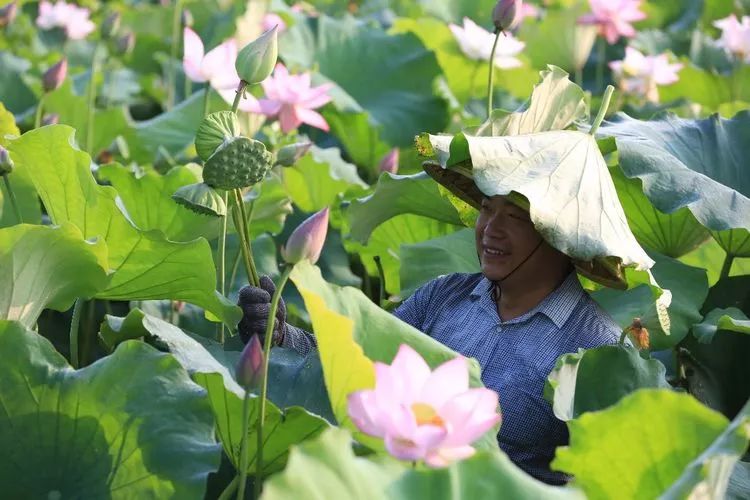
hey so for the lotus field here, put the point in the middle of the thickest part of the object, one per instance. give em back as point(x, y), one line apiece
point(340, 157)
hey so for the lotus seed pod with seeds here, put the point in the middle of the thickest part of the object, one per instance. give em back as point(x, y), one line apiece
point(201, 198)
point(239, 163)
point(215, 130)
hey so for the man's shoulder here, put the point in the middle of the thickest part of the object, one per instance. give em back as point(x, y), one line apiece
point(454, 282)
point(593, 325)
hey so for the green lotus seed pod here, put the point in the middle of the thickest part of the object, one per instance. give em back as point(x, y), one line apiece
point(239, 163)
point(201, 198)
point(215, 129)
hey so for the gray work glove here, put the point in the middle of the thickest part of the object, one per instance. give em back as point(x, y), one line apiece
point(256, 304)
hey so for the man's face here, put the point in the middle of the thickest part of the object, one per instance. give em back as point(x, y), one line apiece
point(505, 237)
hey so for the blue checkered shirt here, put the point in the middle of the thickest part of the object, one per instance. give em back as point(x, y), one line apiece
point(515, 355)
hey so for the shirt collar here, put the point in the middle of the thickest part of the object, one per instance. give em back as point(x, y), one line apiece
point(557, 306)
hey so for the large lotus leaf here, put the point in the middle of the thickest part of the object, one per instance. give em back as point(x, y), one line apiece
point(73, 111)
point(674, 234)
point(426, 260)
point(595, 379)
point(558, 38)
point(317, 179)
point(109, 430)
point(573, 202)
point(147, 196)
point(730, 320)
point(698, 164)
point(44, 267)
point(386, 240)
point(7, 124)
point(23, 189)
point(360, 137)
point(327, 468)
point(13, 90)
point(145, 264)
point(712, 257)
point(398, 194)
point(707, 87)
point(225, 396)
point(466, 78)
point(739, 481)
point(689, 288)
point(353, 332)
point(349, 52)
point(653, 443)
point(454, 11)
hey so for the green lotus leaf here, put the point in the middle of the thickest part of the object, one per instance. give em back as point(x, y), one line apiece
point(215, 129)
point(47, 267)
point(104, 431)
point(455, 11)
point(328, 468)
point(352, 332)
point(347, 51)
point(270, 206)
point(698, 164)
point(145, 264)
point(633, 450)
point(147, 196)
point(399, 194)
point(202, 199)
point(360, 137)
point(225, 396)
point(709, 88)
point(26, 197)
point(595, 379)
point(730, 320)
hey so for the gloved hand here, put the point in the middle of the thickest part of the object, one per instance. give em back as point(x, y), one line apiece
point(256, 304)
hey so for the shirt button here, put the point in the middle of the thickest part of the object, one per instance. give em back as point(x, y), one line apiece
point(499, 328)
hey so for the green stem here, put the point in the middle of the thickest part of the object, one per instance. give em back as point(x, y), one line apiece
point(238, 96)
point(381, 274)
point(12, 196)
point(188, 89)
point(601, 55)
point(264, 380)
point(238, 214)
point(229, 490)
point(39, 111)
point(222, 266)
point(74, 324)
point(206, 94)
point(242, 477)
point(602, 109)
point(491, 78)
point(92, 101)
point(172, 69)
point(727, 266)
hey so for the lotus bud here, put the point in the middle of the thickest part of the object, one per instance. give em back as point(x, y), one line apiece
point(51, 119)
point(125, 43)
point(8, 14)
point(6, 164)
point(505, 15)
point(187, 18)
point(291, 153)
point(111, 25)
point(306, 241)
point(249, 372)
point(256, 60)
point(389, 163)
point(55, 76)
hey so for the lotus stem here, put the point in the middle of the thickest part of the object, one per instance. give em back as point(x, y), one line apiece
point(12, 196)
point(74, 327)
point(172, 70)
point(222, 265)
point(264, 381)
point(229, 490)
point(491, 77)
point(727, 266)
point(381, 274)
point(39, 111)
point(602, 109)
point(206, 99)
point(92, 101)
point(238, 96)
point(240, 224)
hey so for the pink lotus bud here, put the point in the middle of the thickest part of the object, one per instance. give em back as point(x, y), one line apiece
point(249, 372)
point(187, 18)
point(8, 14)
point(55, 76)
point(51, 119)
point(6, 164)
point(289, 154)
point(111, 25)
point(389, 163)
point(505, 15)
point(125, 43)
point(306, 242)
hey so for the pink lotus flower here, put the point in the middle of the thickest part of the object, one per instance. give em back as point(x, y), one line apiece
point(424, 415)
point(215, 67)
point(735, 36)
point(73, 19)
point(528, 10)
point(614, 17)
point(640, 74)
point(290, 98)
point(476, 43)
point(272, 19)
point(389, 162)
point(307, 239)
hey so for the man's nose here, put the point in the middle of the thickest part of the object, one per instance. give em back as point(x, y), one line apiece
point(496, 224)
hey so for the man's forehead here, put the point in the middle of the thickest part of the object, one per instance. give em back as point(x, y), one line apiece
point(500, 201)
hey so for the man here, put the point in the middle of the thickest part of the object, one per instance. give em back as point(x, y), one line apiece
point(516, 317)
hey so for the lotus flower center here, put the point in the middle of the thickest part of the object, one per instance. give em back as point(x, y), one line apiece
point(426, 415)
